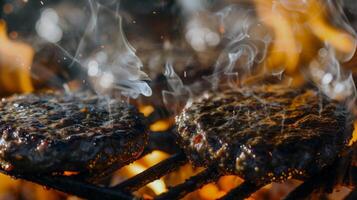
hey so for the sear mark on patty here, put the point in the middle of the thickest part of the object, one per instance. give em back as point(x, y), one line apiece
point(53, 133)
point(265, 133)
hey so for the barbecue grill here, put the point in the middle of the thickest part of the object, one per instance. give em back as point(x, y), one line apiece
point(325, 180)
point(342, 172)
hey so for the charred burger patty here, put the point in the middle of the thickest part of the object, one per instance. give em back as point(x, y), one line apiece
point(265, 133)
point(54, 132)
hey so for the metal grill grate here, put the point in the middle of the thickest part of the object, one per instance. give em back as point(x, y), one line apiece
point(73, 185)
point(165, 141)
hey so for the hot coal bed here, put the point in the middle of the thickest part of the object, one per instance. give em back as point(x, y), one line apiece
point(203, 85)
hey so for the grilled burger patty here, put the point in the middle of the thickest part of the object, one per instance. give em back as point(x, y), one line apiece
point(265, 133)
point(54, 132)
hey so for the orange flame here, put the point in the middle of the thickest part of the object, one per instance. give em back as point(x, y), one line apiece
point(157, 186)
point(354, 135)
point(15, 64)
point(300, 35)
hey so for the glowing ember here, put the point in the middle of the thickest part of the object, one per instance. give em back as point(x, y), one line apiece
point(70, 173)
point(300, 33)
point(210, 192)
point(161, 125)
point(146, 110)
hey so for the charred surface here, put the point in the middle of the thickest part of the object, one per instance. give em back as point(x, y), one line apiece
point(53, 133)
point(265, 133)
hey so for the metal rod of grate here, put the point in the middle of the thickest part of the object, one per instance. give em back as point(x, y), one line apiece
point(75, 186)
point(241, 192)
point(153, 173)
point(209, 175)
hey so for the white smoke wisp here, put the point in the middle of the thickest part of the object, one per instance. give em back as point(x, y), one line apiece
point(103, 51)
point(246, 46)
point(178, 94)
point(326, 72)
point(200, 32)
point(108, 57)
point(249, 37)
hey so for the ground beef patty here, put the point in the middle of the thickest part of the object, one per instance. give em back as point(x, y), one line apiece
point(265, 133)
point(54, 132)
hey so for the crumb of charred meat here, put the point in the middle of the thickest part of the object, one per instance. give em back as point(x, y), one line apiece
point(54, 133)
point(265, 133)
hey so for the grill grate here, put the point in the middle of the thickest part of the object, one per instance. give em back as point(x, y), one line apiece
point(74, 185)
point(195, 182)
point(152, 173)
point(165, 141)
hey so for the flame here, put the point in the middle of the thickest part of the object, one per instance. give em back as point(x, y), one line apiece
point(300, 35)
point(146, 110)
point(339, 39)
point(210, 192)
point(157, 186)
point(161, 125)
point(298, 38)
point(279, 21)
point(354, 135)
point(15, 64)
point(70, 173)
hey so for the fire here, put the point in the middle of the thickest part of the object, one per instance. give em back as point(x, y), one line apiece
point(157, 186)
point(299, 35)
point(161, 125)
point(15, 64)
point(146, 109)
point(339, 39)
point(210, 192)
point(219, 189)
point(354, 135)
point(70, 173)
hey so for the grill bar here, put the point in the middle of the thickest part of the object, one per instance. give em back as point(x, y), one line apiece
point(307, 187)
point(193, 183)
point(241, 192)
point(153, 173)
point(73, 186)
point(76, 185)
point(326, 179)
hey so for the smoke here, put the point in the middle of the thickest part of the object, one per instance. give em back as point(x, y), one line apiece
point(351, 5)
point(178, 94)
point(327, 74)
point(246, 46)
point(284, 37)
point(103, 50)
point(200, 27)
point(325, 69)
point(110, 59)
point(289, 38)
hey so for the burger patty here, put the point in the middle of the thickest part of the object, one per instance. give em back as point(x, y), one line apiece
point(265, 133)
point(53, 132)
